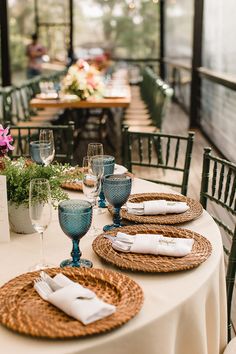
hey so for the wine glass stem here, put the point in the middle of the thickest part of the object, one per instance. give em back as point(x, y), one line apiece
point(76, 254)
point(42, 248)
point(116, 217)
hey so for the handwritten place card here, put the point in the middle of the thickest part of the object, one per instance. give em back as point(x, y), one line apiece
point(4, 221)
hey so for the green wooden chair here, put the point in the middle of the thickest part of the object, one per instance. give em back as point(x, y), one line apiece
point(218, 194)
point(156, 94)
point(155, 153)
point(63, 139)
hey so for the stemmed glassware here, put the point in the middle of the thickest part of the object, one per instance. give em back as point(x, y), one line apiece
point(109, 166)
point(96, 167)
point(75, 217)
point(46, 146)
point(91, 188)
point(94, 149)
point(42, 151)
point(117, 189)
point(40, 212)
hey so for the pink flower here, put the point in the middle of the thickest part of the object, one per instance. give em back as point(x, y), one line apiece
point(5, 140)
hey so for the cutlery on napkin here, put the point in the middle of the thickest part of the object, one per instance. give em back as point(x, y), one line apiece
point(151, 244)
point(155, 207)
point(72, 298)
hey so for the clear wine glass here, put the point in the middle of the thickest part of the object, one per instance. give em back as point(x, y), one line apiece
point(117, 189)
point(46, 146)
point(40, 210)
point(91, 190)
point(75, 217)
point(96, 167)
point(94, 149)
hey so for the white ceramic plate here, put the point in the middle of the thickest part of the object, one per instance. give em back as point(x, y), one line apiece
point(119, 169)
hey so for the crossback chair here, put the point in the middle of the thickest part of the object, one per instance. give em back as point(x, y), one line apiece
point(218, 194)
point(63, 139)
point(158, 152)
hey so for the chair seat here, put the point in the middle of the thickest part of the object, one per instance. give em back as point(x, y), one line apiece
point(137, 116)
point(231, 347)
point(139, 122)
point(144, 129)
point(136, 111)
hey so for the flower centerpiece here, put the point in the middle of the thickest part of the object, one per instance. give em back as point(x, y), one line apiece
point(5, 141)
point(18, 174)
point(82, 80)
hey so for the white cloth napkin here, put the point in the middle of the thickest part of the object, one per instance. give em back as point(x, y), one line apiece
point(155, 207)
point(152, 244)
point(77, 301)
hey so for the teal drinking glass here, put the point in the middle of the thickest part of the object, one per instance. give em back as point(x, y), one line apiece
point(117, 189)
point(75, 217)
point(109, 165)
point(36, 148)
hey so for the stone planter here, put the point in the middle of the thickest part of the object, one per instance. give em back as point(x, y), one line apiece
point(19, 219)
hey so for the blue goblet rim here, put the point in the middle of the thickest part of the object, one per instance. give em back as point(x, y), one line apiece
point(106, 159)
point(38, 143)
point(116, 179)
point(85, 207)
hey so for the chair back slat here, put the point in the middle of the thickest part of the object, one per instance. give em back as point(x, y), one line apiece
point(167, 151)
point(214, 179)
point(221, 179)
point(227, 185)
point(232, 194)
point(176, 152)
point(150, 144)
point(222, 204)
point(140, 144)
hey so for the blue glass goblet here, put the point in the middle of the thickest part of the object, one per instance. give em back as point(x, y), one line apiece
point(117, 189)
point(75, 217)
point(38, 150)
point(35, 152)
point(109, 165)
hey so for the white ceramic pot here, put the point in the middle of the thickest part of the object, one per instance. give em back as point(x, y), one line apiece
point(19, 219)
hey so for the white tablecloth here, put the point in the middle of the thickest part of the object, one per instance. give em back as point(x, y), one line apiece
point(183, 313)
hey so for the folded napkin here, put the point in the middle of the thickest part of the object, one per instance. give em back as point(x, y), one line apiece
point(152, 244)
point(155, 207)
point(75, 300)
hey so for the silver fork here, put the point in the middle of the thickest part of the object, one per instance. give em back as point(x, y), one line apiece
point(42, 288)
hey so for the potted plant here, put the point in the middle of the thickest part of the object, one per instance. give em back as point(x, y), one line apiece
point(18, 174)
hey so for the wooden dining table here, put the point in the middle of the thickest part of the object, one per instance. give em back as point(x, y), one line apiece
point(92, 102)
point(183, 312)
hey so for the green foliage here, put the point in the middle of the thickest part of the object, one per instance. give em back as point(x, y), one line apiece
point(20, 172)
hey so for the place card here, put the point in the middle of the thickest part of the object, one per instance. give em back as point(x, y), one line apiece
point(4, 221)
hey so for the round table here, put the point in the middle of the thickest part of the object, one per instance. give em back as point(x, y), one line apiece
point(183, 312)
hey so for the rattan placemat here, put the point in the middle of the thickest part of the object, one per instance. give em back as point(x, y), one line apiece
point(22, 310)
point(194, 211)
point(149, 263)
point(73, 186)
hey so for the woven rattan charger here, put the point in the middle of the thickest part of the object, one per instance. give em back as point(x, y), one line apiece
point(149, 263)
point(22, 310)
point(78, 186)
point(194, 211)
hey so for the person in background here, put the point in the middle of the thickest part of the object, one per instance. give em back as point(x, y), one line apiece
point(34, 52)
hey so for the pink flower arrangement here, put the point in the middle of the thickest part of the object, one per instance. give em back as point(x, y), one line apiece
point(5, 141)
point(83, 80)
